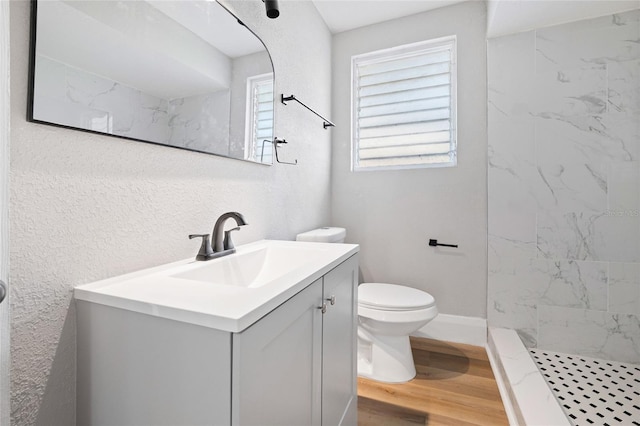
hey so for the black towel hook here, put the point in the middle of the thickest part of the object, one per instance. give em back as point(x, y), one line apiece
point(435, 243)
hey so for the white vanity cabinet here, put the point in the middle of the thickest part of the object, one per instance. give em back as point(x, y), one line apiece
point(277, 365)
point(297, 365)
point(294, 366)
point(339, 345)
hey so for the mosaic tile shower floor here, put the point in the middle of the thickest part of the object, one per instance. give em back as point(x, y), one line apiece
point(592, 391)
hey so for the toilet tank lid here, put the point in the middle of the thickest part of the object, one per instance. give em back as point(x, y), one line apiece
point(393, 297)
point(323, 235)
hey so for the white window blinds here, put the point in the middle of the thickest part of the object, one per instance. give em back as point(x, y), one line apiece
point(403, 102)
point(260, 117)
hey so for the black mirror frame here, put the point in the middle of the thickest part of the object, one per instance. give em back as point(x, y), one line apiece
point(31, 89)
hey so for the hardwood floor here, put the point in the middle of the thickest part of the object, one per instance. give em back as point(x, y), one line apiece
point(454, 386)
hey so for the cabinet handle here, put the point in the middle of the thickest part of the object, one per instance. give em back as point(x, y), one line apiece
point(323, 308)
point(332, 299)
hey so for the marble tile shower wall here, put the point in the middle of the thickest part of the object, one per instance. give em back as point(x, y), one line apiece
point(81, 99)
point(564, 186)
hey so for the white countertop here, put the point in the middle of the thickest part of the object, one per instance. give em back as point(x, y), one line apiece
point(158, 292)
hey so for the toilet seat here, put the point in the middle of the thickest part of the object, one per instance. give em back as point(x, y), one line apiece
point(392, 297)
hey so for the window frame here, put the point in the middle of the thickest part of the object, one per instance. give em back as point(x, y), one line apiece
point(250, 119)
point(394, 53)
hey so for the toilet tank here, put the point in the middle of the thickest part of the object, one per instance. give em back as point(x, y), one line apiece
point(323, 235)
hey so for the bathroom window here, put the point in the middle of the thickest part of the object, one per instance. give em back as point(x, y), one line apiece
point(259, 118)
point(404, 106)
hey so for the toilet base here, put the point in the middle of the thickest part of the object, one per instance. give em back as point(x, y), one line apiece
point(385, 358)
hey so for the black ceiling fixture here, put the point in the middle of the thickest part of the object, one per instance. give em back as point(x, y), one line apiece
point(272, 8)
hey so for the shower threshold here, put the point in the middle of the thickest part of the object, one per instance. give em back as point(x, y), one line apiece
point(527, 398)
point(549, 388)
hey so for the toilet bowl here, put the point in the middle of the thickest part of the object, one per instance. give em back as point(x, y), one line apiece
point(387, 314)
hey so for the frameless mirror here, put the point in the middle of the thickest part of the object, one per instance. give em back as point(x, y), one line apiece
point(185, 74)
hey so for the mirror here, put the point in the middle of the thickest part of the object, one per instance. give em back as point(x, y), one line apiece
point(184, 74)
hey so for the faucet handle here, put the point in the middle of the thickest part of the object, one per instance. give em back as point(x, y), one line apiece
point(228, 244)
point(205, 251)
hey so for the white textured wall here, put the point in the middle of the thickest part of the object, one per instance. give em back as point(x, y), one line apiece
point(86, 207)
point(4, 208)
point(392, 214)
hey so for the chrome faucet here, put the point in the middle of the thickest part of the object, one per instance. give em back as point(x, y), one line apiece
point(222, 245)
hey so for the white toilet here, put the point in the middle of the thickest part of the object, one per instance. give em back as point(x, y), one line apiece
point(387, 314)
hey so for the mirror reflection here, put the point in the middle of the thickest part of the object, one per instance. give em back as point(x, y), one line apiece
point(184, 74)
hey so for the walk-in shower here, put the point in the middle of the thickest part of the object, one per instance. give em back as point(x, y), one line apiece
point(564, 213)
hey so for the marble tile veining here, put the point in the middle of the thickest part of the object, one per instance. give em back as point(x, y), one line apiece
point(587, 138)
point(624, 86)
point(503, 249)
point(569, 92)
point(601, 236)
point(571, 284)
point(518, 287)
point(591, 333)
point(611, 38)
point(201, 122)
point(568, 235)
point(624, 288)
point(572, 187)
point(624, 191)
point(508, 96)
point(564, 186)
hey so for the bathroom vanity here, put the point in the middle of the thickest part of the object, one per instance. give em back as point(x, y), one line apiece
point(266, 336)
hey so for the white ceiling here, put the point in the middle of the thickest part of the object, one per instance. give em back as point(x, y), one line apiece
point(114, 26)
point(343, 15)
point(504, 16)
point(512, 16)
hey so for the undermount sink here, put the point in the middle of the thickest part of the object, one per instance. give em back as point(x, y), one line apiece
point(251, 269)
point(228, 293)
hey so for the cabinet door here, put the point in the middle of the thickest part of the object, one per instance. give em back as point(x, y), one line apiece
point(277, 365)
point(136, 369)
point(339, 388)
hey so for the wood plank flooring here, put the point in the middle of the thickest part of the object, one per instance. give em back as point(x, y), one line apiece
point(454, 386)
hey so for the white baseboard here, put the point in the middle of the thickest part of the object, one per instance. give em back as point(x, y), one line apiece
point(454, 328)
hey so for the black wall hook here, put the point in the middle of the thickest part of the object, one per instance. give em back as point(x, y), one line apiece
point(435, 243)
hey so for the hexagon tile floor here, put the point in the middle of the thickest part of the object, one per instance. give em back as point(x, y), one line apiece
point(592, 391)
